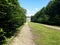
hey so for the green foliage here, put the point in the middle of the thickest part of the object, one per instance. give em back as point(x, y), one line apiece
point(49, 14)
point(2, 37)
point(12, 16)
point(52, 10)
point(40, 16)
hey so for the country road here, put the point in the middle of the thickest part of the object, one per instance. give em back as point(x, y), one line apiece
point(24, 37)
point(54, 27)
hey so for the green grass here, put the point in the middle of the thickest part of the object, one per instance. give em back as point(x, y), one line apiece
point(44, 35)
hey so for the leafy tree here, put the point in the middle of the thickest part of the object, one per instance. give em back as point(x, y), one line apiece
point(40, 16)
point(12, 16)
point(52, 10)
point(49, 14)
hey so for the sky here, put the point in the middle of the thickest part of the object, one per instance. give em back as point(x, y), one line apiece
point(33, 6)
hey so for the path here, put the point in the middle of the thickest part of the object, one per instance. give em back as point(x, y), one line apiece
point(54, 27)
point(24, 37)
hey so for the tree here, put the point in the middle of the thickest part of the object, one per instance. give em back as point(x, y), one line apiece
point(12, 16)
point(52, 10)
point(40, 16)
point(49, 14)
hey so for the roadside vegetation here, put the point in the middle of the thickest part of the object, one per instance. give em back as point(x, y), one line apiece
point(49, 14)
point(44, 35)
point(12, 16)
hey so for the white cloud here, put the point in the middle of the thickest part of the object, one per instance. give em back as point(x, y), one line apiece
point(28, 10)
point(36, 8)
point(31, 11)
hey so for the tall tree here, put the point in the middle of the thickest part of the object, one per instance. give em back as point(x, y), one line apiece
point(11, 17)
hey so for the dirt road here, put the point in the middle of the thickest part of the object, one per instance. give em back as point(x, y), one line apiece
point(54, 27)
point(24, 37)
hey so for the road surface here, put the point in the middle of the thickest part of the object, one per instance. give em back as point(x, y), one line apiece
point(24, 37)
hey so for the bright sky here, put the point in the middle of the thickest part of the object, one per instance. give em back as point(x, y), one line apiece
point(32, 6)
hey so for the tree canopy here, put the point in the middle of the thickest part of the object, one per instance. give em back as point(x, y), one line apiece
point(12, 16)
point(49, 14)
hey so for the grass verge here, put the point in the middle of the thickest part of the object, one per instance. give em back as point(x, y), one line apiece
point(44, 35)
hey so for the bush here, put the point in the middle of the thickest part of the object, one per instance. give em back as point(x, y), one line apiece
point(12, 16)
